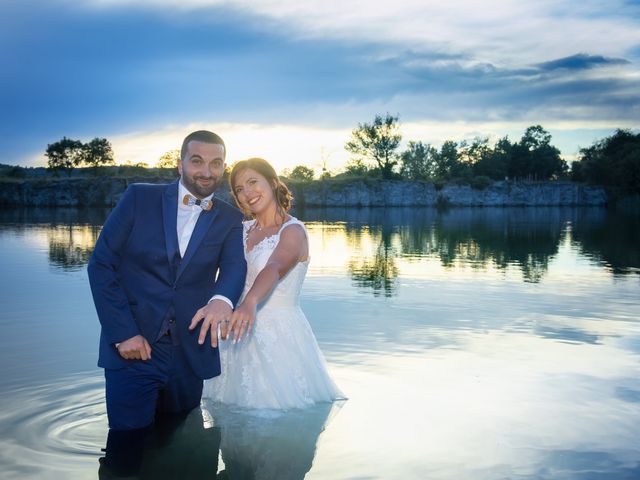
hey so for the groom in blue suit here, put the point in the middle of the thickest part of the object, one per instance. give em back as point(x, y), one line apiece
point(165, 251)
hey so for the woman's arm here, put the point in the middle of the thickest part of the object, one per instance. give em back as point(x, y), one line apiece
point(292, 248)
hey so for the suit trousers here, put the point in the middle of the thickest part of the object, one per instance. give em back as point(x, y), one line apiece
point(165, 384)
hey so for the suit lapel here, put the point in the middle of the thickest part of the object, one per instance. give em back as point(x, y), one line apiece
point(170, 219)
point(199, 231)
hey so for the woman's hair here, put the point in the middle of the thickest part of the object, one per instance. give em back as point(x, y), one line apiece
point(282, 194)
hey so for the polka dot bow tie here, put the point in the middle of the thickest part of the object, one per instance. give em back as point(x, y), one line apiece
point(190, 201)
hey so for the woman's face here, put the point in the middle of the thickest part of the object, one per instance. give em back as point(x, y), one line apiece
point(253, 191)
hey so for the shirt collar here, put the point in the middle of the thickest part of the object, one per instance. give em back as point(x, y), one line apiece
point(182, 191)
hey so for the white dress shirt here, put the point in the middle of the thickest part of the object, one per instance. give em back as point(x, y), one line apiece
point(187, 218)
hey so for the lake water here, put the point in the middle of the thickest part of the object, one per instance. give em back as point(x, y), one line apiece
point(472, 343)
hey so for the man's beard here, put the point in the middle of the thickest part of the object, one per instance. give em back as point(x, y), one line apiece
point(198, 190)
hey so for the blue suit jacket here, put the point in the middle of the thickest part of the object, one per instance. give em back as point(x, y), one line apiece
point(138, 278)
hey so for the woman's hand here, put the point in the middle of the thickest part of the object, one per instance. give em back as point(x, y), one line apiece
point(242, 320)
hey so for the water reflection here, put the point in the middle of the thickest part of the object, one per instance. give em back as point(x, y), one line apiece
point(54, 429)
point(375, 269)
point(71, 233)
point(270, 445)
point(176, 447)
point(219, 442)
point(610, 239)
point(16, 217)
point(479, 343)
point(58, 430)
point(70, 246)
point(523, 237)
point(380, 240)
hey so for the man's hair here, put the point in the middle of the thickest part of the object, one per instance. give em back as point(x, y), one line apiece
point(202, 136)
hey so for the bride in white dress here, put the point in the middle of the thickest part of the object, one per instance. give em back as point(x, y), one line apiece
point(271, 359)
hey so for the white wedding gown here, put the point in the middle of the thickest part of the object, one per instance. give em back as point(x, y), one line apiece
point(278, 365)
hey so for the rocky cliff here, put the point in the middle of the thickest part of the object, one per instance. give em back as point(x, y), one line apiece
point(105, 191)
point(378, 193)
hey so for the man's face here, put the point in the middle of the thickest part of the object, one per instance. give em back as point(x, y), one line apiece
point(202, 168)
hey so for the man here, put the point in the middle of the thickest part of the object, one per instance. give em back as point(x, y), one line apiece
point(165, 251)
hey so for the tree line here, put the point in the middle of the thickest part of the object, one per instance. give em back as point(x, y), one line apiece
point(67, 154)
point(613, 162)
point(375, 152)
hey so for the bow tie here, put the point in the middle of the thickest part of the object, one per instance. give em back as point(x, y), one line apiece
point(190, 201)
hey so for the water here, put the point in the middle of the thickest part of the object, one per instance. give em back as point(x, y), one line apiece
point(472, 343)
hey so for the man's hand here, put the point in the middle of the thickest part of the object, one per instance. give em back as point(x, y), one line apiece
point(214, 313)
point(135, 348)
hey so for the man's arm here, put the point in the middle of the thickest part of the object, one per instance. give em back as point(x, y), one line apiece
point(232, 269)
point(110, 299)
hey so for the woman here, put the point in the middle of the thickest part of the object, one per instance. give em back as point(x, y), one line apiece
point(271, 359)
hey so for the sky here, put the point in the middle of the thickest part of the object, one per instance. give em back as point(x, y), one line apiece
point(289, 80)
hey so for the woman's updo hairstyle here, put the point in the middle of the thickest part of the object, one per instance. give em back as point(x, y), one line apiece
point(282, 194)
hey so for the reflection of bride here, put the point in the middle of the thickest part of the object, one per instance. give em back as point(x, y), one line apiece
point(253, 444)
point(276, 364)
point(277, 446)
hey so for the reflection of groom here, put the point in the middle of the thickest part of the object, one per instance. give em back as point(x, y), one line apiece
point(164, 251)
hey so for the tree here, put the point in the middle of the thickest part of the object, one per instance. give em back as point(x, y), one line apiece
point(302, 173)
point(474, 152)
point(377, 141)
point(169, 159)
point(613, 161)
point(493, 163)
point(535, 158)
point(355, 167)
point(446, 161)
point(97, 153)
point(418, 161)
point(64, 154)
point(535, 137)
point(470, 155)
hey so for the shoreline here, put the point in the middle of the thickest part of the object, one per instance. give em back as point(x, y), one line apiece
point(106, 191)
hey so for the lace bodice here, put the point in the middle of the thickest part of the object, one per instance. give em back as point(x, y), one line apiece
point(287, 290)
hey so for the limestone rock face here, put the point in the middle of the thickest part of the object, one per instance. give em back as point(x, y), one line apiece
point(106, 191)
point(73, 192)
point(390, 193)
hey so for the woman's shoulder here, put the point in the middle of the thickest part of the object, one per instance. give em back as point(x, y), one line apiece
point(292, 221)
point(292, 225)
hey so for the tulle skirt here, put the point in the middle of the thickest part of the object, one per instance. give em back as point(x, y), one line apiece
point(277, 366)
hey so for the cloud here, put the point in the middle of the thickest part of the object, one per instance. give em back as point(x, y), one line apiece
point(501, 31)
point(581, 61)
point(113, 67)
